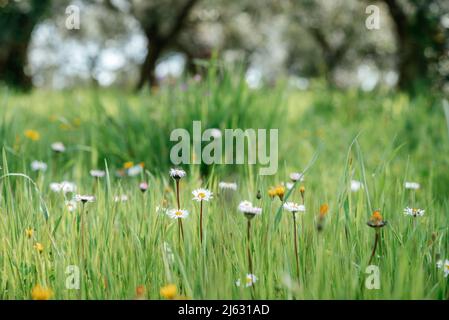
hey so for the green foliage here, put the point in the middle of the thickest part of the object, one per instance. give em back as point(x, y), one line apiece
point(380, 139)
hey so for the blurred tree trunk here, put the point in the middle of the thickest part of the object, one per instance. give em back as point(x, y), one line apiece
point(16, 27)
point(415, 35)
point(158, 42)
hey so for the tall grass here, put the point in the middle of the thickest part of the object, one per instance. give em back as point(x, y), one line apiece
point(380, 139)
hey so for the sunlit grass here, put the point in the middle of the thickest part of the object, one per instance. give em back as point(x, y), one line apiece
point(382, 140)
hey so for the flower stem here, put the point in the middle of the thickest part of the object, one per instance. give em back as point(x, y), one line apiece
point(296, 245)
point(376, 240)
point(177, 194)
point(250, 262)
point(201, 222)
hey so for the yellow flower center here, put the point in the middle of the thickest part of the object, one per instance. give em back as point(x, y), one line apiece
point(178, 213)
point(201, 195)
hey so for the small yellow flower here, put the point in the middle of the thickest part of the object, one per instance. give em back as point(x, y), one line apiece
point(128, 164)
point(29, 232)
point(32, 135)
point(272, 193)
point(39, 247)
point(302, 189)
point(323, 210)
point(41, 293)
point(280, 192)
point(376, 220)
point(169, 291)
point(140, 292)
point(277, 191)
point(376, 216)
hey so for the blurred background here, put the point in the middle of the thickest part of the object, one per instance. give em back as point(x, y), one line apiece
point(138, 44)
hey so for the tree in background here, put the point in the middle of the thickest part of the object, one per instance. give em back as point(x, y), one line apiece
point(17, 22)
point(422, 41)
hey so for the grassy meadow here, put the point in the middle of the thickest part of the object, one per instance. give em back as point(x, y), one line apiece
point(128, 247)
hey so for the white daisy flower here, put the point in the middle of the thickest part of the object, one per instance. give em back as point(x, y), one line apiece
point(55, 187)
point(71, 205)
point(412, 185)
point(248, 209)
point(68, 187)
point(135, 170)
point(356, 185)
point(201, 195)
point(58, 147)
point(439, 264)
point(84, 198)
point(296, 176)
point(121, 198)
point(38, 166)
point(227, 185)
point(97, 173)
point(177, 173)
point(415, 212)
point(143, 186)
point(294, 207)
point(250, 279)
point(177, 213)
point(446, 268)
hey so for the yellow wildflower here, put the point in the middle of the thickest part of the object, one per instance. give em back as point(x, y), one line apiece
point(128, 164)
point(169, 291)
point(29, 232)
point(39, 247)
point(41, 293)
point(32, 135)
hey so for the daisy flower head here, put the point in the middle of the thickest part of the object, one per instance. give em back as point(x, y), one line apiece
point(68, 187)
point(71, 205)
point(38, 166)
point(201, 195)
point(227, 185)
point(415, 212)
point(65, 187)
point(412, 185)
point(248, 209)
point(250, 279)
point(446, 268)
point(121, 198)
point(97, 173)
point(58, 147)
point(143, 186)
point(356, 185)
point(177, 174)
point(135, 170)
point(177, 213)
point(84, 198)
point(376, 220)
point(294, 207)
point(296, 176)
